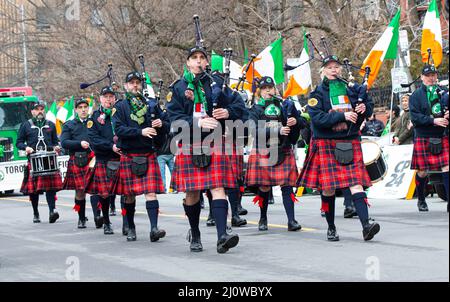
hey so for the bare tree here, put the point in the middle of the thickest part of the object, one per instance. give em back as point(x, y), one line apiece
point(67, 52)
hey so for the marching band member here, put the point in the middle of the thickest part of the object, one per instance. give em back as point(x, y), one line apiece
point(283, 122)
point(75, 140)
point(139, 172)
point(193, 101)
point(335, 158)
point(29, 140)
point(103, 142)
point(430, 117)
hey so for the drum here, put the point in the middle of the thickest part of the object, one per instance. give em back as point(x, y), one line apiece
point(374, 160)
point(44, 163)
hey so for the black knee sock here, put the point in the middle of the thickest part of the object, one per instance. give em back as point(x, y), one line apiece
point(360, 200)
point(51, 200)
point(153, 212)
point(80, 207)
point(421, 184)
point(105, 209)
point(288, 202)
point(124, 216)
point(348, 200)
point(34, 198)
point(329, 207)
point(112, 202)
point(233, 198)
point(130, 209)
point(265, 203)
point(220, 213)
point(193, 214)
point(210, 208)
point(445, 179)
point(95, 199)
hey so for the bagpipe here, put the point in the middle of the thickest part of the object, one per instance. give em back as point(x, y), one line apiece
point(350, 81)
point(200, 44)
point(110, 75)
point(146, 88)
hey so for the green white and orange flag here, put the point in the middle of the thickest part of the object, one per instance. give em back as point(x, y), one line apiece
point(52, 112)
point(269, 63)
point(386, 48)
point(66, 112)
point(432, 35)
point(300, 78)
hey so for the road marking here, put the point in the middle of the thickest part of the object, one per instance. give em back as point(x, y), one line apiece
point(277, 226)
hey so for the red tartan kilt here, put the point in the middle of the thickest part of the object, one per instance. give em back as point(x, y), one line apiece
point(128, 184)
point(188, 178)
point(422, 158)
point(100, 184)
point(40, 184)
point(321, 170)
point(260, 174)
point(77, 178)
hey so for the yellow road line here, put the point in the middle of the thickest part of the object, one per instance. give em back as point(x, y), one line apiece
point(277, 226)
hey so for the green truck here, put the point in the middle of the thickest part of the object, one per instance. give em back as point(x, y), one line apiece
point(15, 108)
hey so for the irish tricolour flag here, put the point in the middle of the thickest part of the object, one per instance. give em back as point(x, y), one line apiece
point(66, 112)
point(269, 63)
point(385, 49)
point(432, 35)
point(300, 78)
point(52, 112)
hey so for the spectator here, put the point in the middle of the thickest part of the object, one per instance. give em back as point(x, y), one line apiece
point(373, 127)
point(395, 117)
point(404, 133)
point(165, 157)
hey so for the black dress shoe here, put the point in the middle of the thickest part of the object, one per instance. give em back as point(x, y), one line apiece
point(211, 221)
point(112, 212)
point(98, 222)
point(157, 234)
point(241, 211)
point(125, 230)
point(332, 234)
point(271, 201)
point(53, 217)
point(422, 205)
point(227, 242)
point(107, 229)
point(350, 212)
point(195, 241)
point(263, 225)
point(323, 214)
point(370, 230)
point(293, 226)
point(131, 235)
point(82, 223)
point(36, 218)
point(237, 221)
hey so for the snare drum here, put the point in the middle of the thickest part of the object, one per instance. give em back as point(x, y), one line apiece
point(374, 160)
point(44, 163)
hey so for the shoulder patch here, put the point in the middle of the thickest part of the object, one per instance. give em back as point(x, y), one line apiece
point(169, 97)
point(90, 124)
point(313, 102)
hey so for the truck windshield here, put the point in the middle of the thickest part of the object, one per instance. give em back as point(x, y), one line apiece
point(12, 115)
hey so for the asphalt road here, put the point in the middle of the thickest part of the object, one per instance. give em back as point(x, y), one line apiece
point(411, 246)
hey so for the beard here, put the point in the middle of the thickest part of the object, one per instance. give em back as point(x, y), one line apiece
point(40, 117)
